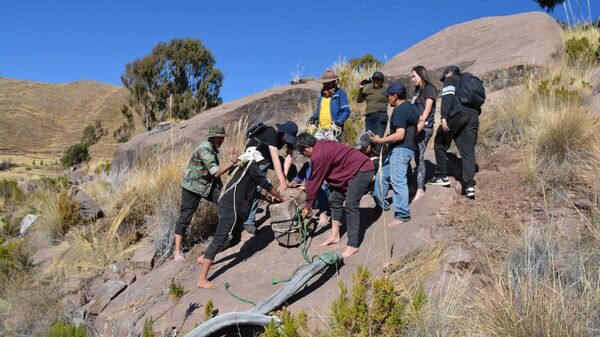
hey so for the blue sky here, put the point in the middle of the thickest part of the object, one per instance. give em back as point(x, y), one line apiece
point(257, 44)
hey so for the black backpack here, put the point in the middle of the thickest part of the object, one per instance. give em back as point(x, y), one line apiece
point(255, 126)
point(471, 93)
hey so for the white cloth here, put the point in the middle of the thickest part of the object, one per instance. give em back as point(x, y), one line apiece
point(251, 154)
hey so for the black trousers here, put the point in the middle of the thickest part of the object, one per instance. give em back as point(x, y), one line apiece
point(463, 130)
point(376, 123)
point(221, 240)
point(357, 187)
point(189, 205)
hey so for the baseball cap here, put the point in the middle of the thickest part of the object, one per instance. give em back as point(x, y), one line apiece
point(395, 87)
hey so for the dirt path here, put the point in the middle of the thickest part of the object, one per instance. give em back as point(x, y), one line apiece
point(251, 266)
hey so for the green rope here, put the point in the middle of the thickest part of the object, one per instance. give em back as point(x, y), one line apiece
point(227, 285)
point(328, 258)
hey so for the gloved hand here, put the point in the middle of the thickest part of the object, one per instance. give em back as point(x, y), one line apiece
point(312, 120)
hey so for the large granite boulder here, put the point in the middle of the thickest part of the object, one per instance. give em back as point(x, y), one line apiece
point(273, 106)
point(500, 50)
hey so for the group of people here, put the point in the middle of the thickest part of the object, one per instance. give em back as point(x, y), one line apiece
point(336, 176)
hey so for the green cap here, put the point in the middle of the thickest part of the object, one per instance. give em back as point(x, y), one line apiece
point(216, 131)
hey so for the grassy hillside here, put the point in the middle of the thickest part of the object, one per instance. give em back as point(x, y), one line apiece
point(44, 119)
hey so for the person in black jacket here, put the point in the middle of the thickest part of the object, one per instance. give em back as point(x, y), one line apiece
point(458, 123)
point(234, 205)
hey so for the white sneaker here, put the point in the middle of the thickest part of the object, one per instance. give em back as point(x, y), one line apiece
point(470, 192)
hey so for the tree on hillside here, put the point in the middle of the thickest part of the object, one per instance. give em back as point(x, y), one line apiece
point(123, 133)
point(179, 75)
point(75, 154)
point(549, 5)
point(93, 133)
point(365, 61)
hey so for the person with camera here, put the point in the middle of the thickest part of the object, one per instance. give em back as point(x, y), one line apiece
point(372, 91)
point(332, 108)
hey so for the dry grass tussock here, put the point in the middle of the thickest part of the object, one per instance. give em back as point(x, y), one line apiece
point(543, 291)
point(87, 252)
point(550, 118)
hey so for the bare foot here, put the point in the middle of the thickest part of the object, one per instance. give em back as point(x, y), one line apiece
point(349, 251)
point(330, 241)
point(200, 259)
point(420, 194)
point(396, 223)
point(177, 256)
point(323, 221)
point(206, 284)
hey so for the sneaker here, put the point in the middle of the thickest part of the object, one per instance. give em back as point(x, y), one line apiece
point(440, 181)
point(470, 192)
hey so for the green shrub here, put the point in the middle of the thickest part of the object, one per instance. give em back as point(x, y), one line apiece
point(55, 184)
point(148, 330)
point(9, 228)
point(367, 61)
point(68, 214)
point(291, 326)
point(76, 154)
point(373, 308)
point(14, 259)
point(102, 168)
point(176, 290)
point(10, 191)
point(63, 329)
point(209, 310)
point(581, 50)
point(560, 89)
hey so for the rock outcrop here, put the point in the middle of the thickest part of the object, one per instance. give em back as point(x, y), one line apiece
point(274, 105)
point(88, 208)
point(500, 50)
point(26, 223)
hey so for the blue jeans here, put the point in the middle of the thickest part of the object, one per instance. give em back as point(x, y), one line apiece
point(323, 199)
point(395, 169)
point(264, 167)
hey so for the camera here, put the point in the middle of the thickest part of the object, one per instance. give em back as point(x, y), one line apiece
point(365, 82)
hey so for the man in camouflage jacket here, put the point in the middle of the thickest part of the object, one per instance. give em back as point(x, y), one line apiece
point(201, 180)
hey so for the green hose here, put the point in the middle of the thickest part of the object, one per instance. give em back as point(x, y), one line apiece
point(227, 285)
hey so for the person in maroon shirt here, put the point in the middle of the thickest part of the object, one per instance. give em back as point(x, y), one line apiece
point(348, 173)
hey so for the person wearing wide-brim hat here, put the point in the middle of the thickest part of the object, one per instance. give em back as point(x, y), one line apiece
point(332, 108)
point(202, 180)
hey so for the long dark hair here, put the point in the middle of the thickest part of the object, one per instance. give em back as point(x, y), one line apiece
point(425, 81)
